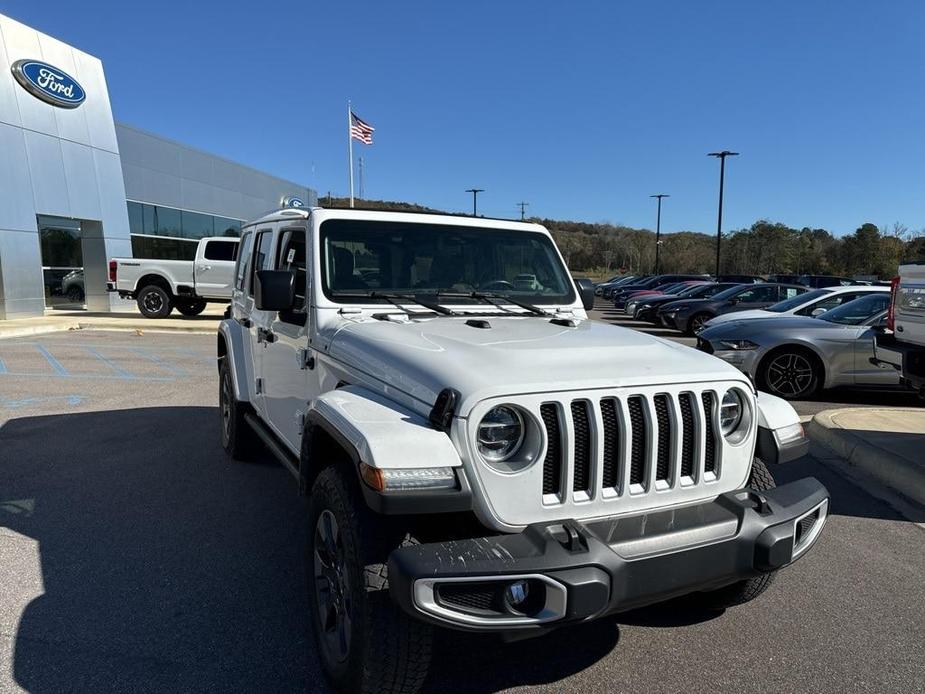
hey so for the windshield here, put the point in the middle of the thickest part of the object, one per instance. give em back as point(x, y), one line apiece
point(796, 301)
point(857, 311)
point(731, 292)
point(363, 257)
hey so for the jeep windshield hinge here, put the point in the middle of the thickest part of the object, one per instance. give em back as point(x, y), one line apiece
point(306, 359)
point(441, 415)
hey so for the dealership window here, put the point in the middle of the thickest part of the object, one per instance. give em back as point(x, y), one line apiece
point(170, 234)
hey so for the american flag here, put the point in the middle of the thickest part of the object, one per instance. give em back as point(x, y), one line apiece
point(360, 129)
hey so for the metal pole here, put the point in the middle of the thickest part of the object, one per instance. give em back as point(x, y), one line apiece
point(658, 229)
point(719, 217)
point(522, 206)
point(350, 150)
point(475, 192)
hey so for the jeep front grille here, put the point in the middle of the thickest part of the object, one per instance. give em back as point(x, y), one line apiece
point(670, 445)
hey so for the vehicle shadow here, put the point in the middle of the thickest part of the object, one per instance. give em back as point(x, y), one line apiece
point(165, 567)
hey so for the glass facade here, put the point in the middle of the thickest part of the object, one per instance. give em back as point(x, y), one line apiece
point(171, 234)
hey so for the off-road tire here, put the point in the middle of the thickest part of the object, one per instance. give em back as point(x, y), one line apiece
point(388, 651)
point(238, 439)
point(190, 308)
point(739, 593)
point(154, 302)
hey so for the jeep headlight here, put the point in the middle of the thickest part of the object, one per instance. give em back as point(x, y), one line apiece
point(500, 434)
point(734, 416)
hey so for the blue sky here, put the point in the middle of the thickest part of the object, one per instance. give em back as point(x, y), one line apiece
point(582, 109)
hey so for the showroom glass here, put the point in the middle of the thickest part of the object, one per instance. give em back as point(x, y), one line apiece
point(175, 232)
point(368, 256)
point(857, 311)
point(798, 300)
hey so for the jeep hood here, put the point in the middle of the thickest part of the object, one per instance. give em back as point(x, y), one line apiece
point(514, 356)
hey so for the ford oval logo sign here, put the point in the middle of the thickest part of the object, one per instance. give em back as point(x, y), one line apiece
point(48, 83)
point(292, 201)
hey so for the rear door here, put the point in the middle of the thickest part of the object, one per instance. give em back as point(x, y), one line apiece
point(215, 267)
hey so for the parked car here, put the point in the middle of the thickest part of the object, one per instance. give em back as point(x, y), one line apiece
point(673, 289)
point(813, 303)
point(689, 316)
point(818, 281)
point(784, 279)
point(742, 279)
point(599, 286)
point(620, 293)
point(490, 462)
point(647, 309)
point(608, 290)
point(902, 346)
point(159, 286)
point(795, 357)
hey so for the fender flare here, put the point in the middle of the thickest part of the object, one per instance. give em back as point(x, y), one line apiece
point(230, 347)
point(377, 432)
point(780, 432)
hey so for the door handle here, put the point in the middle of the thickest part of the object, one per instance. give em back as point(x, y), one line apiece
point(205, 267)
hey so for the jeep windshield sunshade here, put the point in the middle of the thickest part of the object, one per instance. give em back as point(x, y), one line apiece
point(361, 258)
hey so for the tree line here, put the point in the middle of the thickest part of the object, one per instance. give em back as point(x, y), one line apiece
point(764, 248)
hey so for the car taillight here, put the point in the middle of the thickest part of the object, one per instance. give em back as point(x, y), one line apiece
point(113, 266)
point(891, 311)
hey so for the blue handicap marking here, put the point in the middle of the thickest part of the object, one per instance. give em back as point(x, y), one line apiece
point(70, 400)
point(50, 358)
point(120, 372)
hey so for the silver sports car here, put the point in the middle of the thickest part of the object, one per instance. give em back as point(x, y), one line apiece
point(796, 357)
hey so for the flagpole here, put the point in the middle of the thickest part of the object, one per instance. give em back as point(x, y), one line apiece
point(350, 151)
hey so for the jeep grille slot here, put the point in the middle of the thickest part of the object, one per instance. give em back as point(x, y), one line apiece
point(611, 442)
point(663, 419)
point(685, 400)
point(581, 480)
point(552, 463)
point(709, 454)
point(639, 438)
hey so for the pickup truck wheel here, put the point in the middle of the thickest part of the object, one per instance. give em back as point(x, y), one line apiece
point(191, 308)
point(154, 302)
point(739, 593)
point(366, 643)
point(238, 439)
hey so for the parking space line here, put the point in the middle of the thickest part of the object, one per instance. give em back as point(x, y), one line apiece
point(49, 357)
point(122, 373)
point(175, 369)
point(2, 367)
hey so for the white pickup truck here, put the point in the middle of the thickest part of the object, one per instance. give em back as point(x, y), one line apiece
point(159, 286)
point(902, 345)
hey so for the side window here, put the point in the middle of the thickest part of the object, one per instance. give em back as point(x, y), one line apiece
point(758, 294)
point(243, 268)
point(221, 250)
point(291, 256)
point(788, 292)
point(262, 258)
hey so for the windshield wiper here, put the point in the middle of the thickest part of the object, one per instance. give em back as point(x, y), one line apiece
point(493, 298)
point(395, 299)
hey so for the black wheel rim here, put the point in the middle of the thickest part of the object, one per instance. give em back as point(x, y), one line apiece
point(333, 596)
point(225, 400)
point(152, 302)
point(697, 323)
point(790, 374)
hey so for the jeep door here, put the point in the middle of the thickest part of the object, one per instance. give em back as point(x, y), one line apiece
point(242, 303)
point(286, 377)
point(259, 321)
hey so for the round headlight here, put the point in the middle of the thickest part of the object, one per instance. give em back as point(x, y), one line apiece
point(730, 412)
point(500, 433)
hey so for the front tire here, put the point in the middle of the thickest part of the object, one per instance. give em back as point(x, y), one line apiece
point(366, 643)
point(154, 302)
point(191, 308)
point(697, 322)
point(792, 374)
point(739, 593)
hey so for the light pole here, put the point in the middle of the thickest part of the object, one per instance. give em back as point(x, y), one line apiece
point(658, 228)
point(475, 193)
point(523, 206)
point(719, 218)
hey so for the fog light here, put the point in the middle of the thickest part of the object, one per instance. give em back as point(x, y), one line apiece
point(516, 594)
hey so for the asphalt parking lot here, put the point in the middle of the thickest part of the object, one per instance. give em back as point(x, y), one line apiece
point(134, 557)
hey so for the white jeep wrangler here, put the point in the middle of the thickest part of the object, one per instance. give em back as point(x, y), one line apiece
point(479, 455)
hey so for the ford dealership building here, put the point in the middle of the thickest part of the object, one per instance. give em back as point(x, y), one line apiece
point(76, 188)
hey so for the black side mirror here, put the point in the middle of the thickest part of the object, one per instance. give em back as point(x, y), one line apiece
point(586, 290)
point(274, 290)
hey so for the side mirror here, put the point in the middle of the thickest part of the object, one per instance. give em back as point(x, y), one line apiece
point(586, 291)
point(274, 290)
point(818, 312)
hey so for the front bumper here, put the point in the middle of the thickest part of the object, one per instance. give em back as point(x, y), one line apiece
point(583, 570)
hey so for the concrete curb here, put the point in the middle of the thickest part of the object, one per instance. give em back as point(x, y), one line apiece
point(111, 325)
point(905, 476)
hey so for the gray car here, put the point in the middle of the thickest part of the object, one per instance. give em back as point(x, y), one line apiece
point(796, 357)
